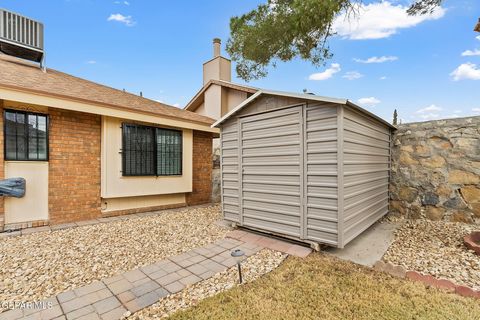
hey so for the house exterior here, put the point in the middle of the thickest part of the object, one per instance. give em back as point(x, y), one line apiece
point(89, 151)
point(218, 94)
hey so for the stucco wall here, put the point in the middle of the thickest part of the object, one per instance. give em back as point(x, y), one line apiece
point(436, 170)
point(34, 205)
point(114, 185)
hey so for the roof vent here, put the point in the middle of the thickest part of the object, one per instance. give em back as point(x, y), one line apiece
point(21, 37)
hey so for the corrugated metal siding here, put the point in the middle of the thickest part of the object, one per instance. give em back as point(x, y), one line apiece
point(271, 159)
point(229, 170)
point(366, 169)
point(321, 172)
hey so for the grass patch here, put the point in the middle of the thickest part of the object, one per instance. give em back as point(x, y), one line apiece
point(323, 287)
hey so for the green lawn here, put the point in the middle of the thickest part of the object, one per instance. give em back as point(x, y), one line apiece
point(322, 287)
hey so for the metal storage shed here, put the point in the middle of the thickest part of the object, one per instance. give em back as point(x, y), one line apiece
point(305, 167)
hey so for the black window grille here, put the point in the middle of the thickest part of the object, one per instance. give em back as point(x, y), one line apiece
point(151, 151)
point(26, 136)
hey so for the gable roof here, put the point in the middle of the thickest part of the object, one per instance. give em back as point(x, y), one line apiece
point(25, 76)
point(304, 96)
point(198, 98)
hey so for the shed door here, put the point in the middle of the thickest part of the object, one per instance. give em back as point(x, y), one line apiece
point(271, 161)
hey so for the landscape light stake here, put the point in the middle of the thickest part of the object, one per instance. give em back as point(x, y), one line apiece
point(238, 255)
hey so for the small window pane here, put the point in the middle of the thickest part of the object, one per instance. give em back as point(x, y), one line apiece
point(138, 150)
point(32, 137)
point(21, 137)
point(169, 152)
point(42, 138)
point(10, 135)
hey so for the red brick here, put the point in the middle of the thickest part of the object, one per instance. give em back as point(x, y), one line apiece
point(202, 169)
point(445, 284)
point(414, 276)
point(467, 292)
point(74, 166)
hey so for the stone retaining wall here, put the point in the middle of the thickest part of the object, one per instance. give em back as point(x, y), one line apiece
point(436, 170)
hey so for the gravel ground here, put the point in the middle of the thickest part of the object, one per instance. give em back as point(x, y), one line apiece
point(252, 268)
point(41, 265)
point(436, 248)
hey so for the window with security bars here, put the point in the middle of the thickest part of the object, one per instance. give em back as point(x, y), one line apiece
point(26, 136)
point(151, 151)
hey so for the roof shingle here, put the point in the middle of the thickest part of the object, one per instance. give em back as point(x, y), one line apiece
point(21, 75)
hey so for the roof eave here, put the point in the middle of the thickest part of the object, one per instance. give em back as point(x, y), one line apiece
point(299, 96)
point(99, 104)
point(355, 106)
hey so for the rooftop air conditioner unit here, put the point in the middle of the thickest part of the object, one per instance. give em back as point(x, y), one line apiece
point(21, 37)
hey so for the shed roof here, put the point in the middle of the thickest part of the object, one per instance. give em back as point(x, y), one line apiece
point(303, 96)
point(25, 76)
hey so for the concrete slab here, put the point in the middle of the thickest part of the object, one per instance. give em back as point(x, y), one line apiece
point(369, 246)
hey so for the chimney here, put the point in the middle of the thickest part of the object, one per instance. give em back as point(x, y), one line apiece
point(216, 47)
point(217, 68)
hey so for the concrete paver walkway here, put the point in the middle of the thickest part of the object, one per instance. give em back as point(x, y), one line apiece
point(131, 291)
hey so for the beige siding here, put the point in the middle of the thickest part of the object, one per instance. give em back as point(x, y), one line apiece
point(271, 156)
point(312, 171)
point(229, 169)
point(321, 172)
point(366, 169)
point(266, 103)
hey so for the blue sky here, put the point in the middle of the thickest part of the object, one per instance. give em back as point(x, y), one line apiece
point(384, 60)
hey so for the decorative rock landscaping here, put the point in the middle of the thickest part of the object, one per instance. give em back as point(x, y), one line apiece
point(41, 265)
point(436, 248)
point(436, 170)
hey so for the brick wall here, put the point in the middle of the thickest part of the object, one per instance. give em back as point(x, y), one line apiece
point(74, 166)
point(202, 169)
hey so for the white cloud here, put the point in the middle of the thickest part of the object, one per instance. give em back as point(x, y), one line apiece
point(429, 116)
point(126, 3)
point(477, 37)
point(352, 75)
point(370, 101)
point(380, 20)
point(176, 105)
point(375, 59)
point(457, 111)
point(477, 110)
point(327, 74)
point(127, 20)
point(466, 71)
point(383, 78)
point(429, 110)
point(469, 53)
point(91, 62)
